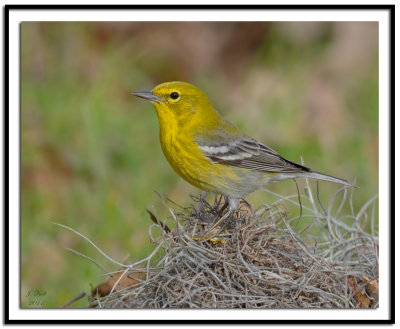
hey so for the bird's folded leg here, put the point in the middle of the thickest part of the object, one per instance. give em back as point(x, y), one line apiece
point(221, 210)
point(217, 222)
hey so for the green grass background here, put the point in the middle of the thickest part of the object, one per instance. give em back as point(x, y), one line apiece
point(90, 155)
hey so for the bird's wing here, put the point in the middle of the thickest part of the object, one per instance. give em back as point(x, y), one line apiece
point(244, 152)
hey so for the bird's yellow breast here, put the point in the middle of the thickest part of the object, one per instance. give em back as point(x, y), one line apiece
point(186, 158)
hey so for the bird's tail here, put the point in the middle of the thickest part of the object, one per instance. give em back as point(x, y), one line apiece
point(320, 176)
point(313, 175)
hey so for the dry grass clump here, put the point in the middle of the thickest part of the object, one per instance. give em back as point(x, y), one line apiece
point(257, 260)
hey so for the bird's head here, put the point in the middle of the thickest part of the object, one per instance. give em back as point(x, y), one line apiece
point(178, 100)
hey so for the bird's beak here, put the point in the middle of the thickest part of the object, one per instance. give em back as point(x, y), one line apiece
point(148, 94)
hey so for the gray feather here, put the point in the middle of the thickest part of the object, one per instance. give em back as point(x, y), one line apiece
point(241, 151)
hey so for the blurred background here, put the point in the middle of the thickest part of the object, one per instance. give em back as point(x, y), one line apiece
point(90, 154)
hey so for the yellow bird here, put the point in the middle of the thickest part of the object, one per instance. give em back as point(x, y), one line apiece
point(212, 154)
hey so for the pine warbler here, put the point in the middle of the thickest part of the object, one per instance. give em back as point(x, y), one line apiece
point(210, 153)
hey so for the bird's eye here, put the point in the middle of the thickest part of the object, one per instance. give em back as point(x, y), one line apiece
point(174, 95)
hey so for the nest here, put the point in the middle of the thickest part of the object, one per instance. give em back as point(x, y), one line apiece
point(255, 259)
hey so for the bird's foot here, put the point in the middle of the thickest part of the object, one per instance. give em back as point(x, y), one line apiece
point(216, 227)
point(222, 221)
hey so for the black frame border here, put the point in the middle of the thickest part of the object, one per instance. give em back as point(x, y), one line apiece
point(389, 7)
